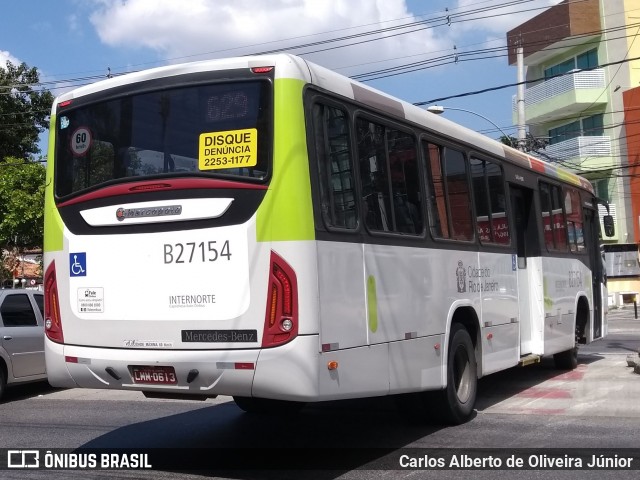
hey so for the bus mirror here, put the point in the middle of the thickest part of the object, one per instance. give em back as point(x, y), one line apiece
point(609, 229)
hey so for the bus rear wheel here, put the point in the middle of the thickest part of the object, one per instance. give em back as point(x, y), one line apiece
point(267, 405)
point(453, 405)
point(567, 360)
point(458, 399)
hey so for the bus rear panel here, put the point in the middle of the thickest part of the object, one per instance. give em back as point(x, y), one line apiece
point(162, 273)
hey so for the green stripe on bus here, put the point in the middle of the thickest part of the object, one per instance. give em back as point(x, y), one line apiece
point(286, 212)
point(372, 303)
point(53, 225)
point(568, 177)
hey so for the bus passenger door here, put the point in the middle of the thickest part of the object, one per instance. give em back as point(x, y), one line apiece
point(598, 286)
point(528, 264)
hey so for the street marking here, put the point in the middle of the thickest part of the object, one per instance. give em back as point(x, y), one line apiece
point(539, 411)
point(572, 375)
point(540, 392)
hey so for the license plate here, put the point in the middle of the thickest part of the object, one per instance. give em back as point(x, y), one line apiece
point(154, 375)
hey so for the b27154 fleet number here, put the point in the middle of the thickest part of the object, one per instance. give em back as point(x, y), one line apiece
point(192, 252)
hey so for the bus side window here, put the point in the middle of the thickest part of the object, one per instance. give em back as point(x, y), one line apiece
point(559, 220)
point(405, 182)
point(489, 197)
point(573, 209)
point(458, 195)
point(437, 207)
point(553, 218)
point(497, 202)
point(336, 166)
point(374, 175)
point(545, 206)
point(390, 180)
point(450, 194)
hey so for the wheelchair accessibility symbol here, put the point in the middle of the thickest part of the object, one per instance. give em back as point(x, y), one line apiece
point(78, 264)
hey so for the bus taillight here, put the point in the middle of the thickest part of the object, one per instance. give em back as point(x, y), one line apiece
point(281, 322)
point(52, 322)
point(261, 69)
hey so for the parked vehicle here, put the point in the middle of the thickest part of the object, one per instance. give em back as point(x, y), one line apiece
point(21, 337)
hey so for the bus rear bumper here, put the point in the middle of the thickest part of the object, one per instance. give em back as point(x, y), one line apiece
point(287, 372)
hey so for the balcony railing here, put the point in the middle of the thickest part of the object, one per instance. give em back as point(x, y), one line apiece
point(559, 85)
point(579, 147)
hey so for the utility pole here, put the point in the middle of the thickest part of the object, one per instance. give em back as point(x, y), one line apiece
point(522, 131)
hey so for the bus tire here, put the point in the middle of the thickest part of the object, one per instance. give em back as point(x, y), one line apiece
point(567, 360)
point(458, 399)
point(267, 405)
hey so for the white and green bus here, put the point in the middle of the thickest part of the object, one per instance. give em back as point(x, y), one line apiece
point(265, 228)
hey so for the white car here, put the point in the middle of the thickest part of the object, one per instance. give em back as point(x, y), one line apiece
point(21, 337)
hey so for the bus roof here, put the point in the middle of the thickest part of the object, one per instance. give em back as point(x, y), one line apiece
point(291, 66)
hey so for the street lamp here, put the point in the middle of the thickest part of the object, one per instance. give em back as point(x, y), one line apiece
point(439, 109)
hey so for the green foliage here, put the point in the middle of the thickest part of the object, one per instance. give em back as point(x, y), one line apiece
point(24, 111)
point(22, 206)
point(511, 141)
point(530, 144)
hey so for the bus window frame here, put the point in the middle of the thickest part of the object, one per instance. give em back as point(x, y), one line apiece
point(188, 80)
point(420, 133)
point(316, 98)
point(581, 199)
point(474, 154)
point(462, 148)
point(555, 250)
point(387, 123)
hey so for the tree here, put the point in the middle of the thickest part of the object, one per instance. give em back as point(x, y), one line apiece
point(24, 111)
point(22, 207)
point(21, 210)
point(511, 141)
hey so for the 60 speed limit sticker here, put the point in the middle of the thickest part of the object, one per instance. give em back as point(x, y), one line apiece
point(80, 141)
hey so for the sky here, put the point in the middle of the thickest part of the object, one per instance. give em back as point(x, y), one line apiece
point(435, 48)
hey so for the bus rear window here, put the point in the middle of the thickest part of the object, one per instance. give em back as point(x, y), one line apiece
point(220, 129)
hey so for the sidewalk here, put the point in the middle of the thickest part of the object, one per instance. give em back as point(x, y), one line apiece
point(603, 385)
point(625, 316)
point(625, 321)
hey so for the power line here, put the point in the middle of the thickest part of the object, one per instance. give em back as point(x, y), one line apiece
point(515, 84)
point(451, 57)
point(390, 69)
point(457, 59)
point(443, 19)
point(416, 66)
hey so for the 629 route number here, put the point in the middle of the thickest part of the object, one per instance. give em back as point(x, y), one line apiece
point(192, 252)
